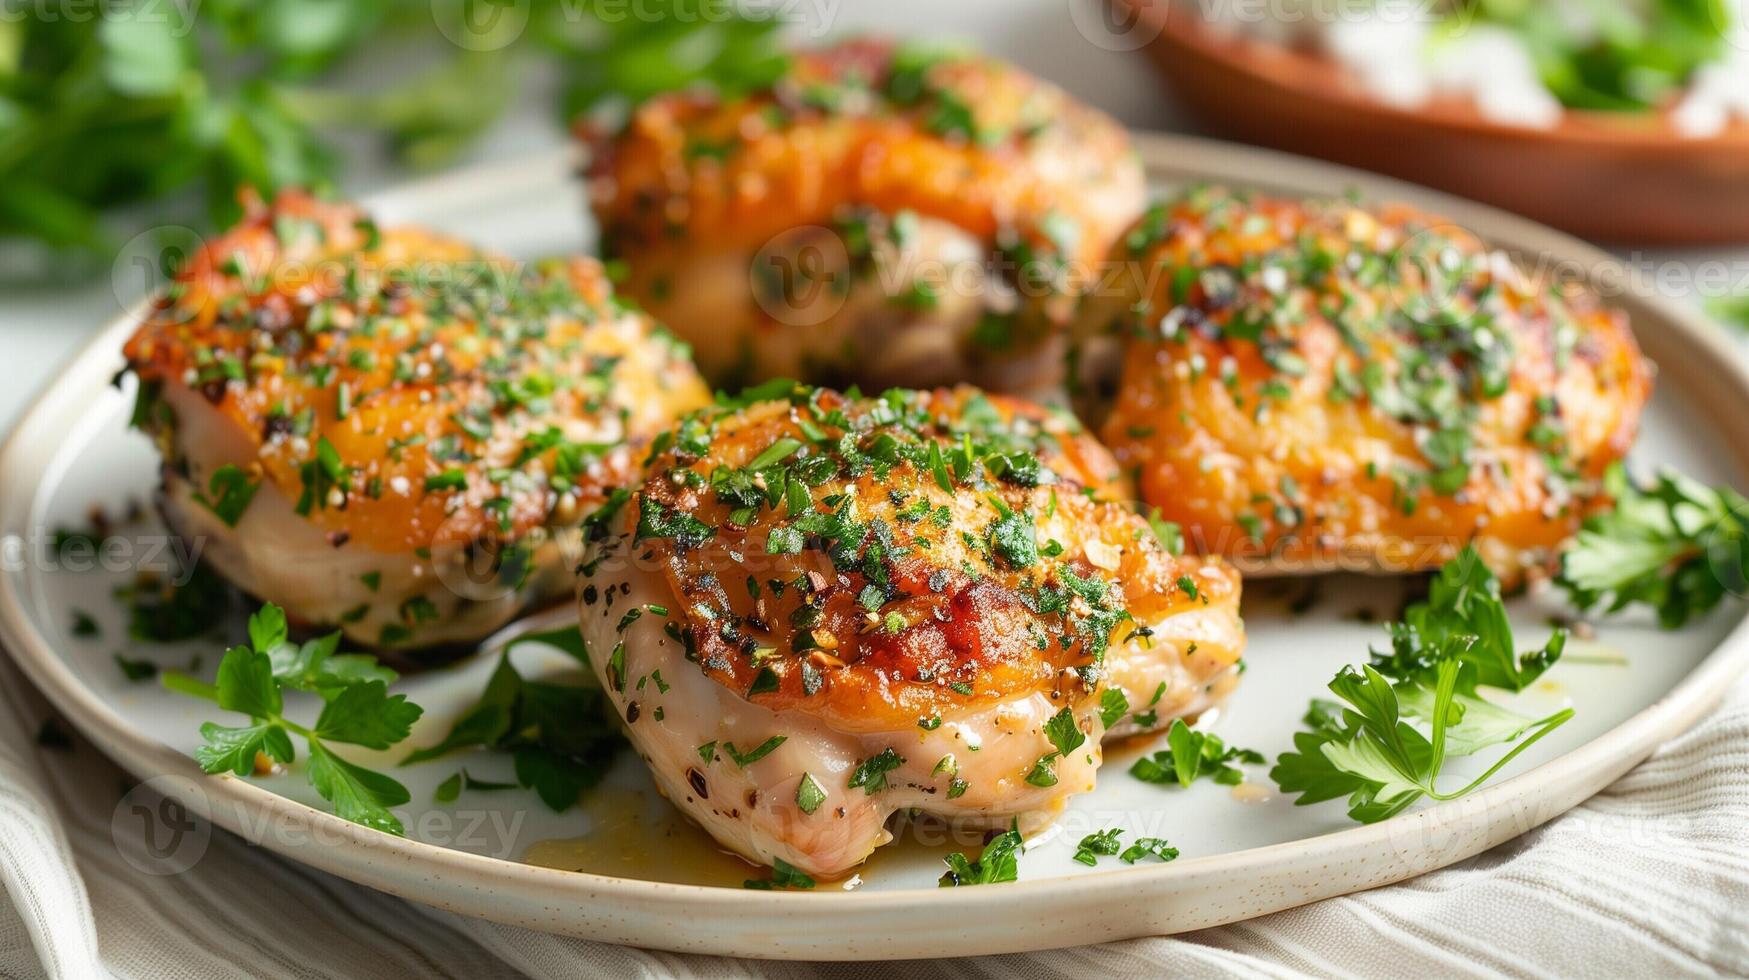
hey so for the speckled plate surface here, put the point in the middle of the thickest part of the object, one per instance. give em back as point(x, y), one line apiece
point(624, 868)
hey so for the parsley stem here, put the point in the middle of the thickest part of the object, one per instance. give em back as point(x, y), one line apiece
point(175, 680)
point(294, 728)
point(1546, 726)
point(1445, 685)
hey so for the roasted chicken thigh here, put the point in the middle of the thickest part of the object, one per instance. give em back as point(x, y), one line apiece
point(386, 430)
point(881, 215)
point(1307, 386)
point(821, 610)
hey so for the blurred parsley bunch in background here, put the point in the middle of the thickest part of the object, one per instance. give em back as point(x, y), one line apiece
point(108, 103)
point(1610, 54)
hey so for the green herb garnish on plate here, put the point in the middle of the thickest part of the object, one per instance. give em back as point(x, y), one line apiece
point(357, 709)
point(1399, 719)
point(1677, 546)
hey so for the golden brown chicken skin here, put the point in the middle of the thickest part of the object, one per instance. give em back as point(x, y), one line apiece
point(914, 589)
point(386, 429)
point(1311, 385)
point(880, 215)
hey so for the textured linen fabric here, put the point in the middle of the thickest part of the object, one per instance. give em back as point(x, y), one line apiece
point(1649, 878)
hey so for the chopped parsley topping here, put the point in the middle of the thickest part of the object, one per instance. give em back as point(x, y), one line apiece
point(136, 670)
point(784, 877)
point(809, 793)
point(228, 494)
point(1192, 754)
point(871, 773)
point(999, 862)
point(1427, 331)
point(1155, 847)
point(1112, 705)
point(451, 479)
point(824, 527)
point(1103, 843)
point(763, 749)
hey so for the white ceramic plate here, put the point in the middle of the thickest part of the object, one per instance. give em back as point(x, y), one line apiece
point(625, 869)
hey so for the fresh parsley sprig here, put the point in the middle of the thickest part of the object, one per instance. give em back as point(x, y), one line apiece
point(1678, 546)
point(1190, 754)
point(1371, 746)
point(357, 709)
point(152, 100)
point(560, 737)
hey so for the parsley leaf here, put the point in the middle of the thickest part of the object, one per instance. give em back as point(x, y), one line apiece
point(1112, 705)
point(1372, 747)
point(366, 714)
point(360, 795)
point(1146, 846)
point(246, 683)
point(567, 639)
point(247, 72)
point(449, 480)
point(450, 789)
point(1014, 537)
point(871, 773)
point(561, 738)
point(1104, 842)
point(1677, 546)
point(1191, 754)
point(558, 778)
point(136, 670)
point(234, 749)
point(809, 793)
point(999, 862)
point(657, 520)
point(745, 759)
point(357, 709)
point(784, 876)
point(1063, 732)
point(228, 494)
point(1464, 618)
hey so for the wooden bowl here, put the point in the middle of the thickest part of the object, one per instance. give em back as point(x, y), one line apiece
point(1622, 177)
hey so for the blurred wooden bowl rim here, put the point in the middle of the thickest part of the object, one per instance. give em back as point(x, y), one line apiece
point(1611, 176)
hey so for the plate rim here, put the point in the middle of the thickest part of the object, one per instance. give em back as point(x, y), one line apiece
point(740, 926)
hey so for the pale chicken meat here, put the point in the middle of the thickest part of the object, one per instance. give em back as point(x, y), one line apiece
point(387, 431)
point(1308, 386)
point(819, 611)
point(880, 215)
